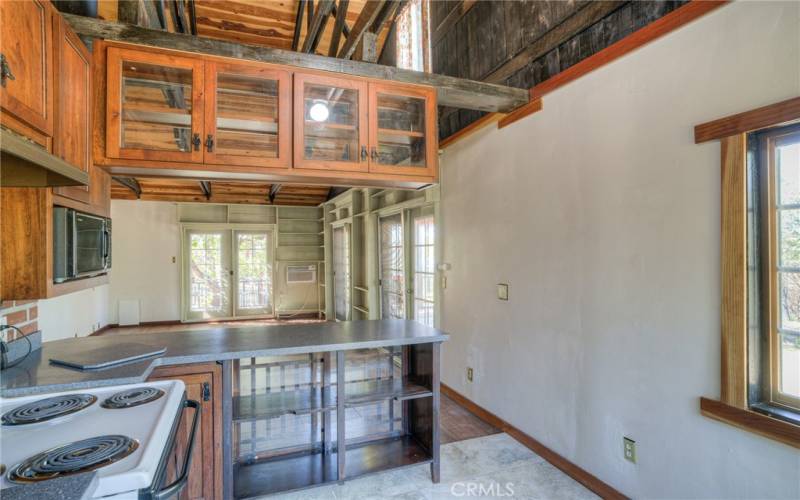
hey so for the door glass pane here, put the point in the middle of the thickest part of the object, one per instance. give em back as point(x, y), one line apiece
point(156, 107)
point(341, 273)
point(254, 272)
point(401, 130)
point(424, 269)
point(788, 160)
point(207, 275)
point(330, 123)
point(247, 116)
point(790, 365)
point(392, 268)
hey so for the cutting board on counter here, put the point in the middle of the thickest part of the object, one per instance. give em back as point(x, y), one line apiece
point(108, 357)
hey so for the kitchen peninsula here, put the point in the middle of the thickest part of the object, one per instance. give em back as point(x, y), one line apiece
point(285, 375)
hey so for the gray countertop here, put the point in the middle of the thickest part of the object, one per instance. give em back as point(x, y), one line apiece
point(36, 375)
point(77, 487)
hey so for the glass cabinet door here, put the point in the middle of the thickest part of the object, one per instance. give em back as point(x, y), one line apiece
point(402, 130)
point(155, 106)
point(329, 123)
point(248, 111)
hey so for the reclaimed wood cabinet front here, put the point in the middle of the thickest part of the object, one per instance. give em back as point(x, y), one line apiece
point(26, 68)
point(330, 123)
point(154, 106)
point(73, 89)
point(248, 113)
point(204, 385)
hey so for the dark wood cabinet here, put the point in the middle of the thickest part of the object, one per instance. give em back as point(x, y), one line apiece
point(203, 384)
point(72, 139)
point(26, 45)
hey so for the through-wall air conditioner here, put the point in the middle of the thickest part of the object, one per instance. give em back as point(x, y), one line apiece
point(301, 274)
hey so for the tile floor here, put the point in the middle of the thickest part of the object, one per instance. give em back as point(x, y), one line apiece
point(495, 466)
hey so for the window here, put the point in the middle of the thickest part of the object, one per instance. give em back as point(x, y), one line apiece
point(413, 49)
point(779, 238)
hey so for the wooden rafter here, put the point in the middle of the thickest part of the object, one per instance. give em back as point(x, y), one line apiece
point(363, 23)
point(317, 25)
point(130, 183)
point(451, 91)
point(339, 26)
point(298, 23)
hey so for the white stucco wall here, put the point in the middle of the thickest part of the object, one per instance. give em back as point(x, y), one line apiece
point(603, 216)
point(74, 315)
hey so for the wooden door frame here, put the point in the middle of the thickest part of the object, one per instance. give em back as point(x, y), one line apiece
point(300, 79)
point(431, 139)
point(284, 120)
point(114, 58)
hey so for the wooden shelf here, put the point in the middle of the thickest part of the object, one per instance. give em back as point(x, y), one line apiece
point(405, 133)
point(385, 454)
point(361, 288)
point(276, 404)
point(361, 393)
point(361, 309)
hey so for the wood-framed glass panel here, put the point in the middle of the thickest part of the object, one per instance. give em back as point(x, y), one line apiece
point(330, 116)
point(155, 106)
point(248, 115)
point(402, 130)
point(392, 266)
point(342, 279)
point(252, 273)
point(424, 265)
point(207, 274)
point(780, 175)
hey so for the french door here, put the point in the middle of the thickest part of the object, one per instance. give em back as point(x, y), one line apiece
point(227, 273)
point(408, 265)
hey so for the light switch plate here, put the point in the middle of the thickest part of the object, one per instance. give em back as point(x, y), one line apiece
point(502, 291)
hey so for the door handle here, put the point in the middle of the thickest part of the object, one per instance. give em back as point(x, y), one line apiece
point(196, 142)
point(374, 154)
point(5, 71)
point(210, 143)
point(363, 153)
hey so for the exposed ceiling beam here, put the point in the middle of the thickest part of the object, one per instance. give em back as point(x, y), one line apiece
point(273, 192)
point(298, 24)
point(130, 183)
point(386, 15)
point(205, 186)
point(317, 25)
point(456, 13)
point(192, 17)
point(368, 14)
point(451, 91)
point(343, 8)
point(338, 26)
point(180, 15)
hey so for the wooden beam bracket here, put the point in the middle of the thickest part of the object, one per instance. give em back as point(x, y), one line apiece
point(130, 183)
point(205, 186)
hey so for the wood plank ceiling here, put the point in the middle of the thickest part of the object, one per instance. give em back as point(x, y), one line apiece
point(280, 24)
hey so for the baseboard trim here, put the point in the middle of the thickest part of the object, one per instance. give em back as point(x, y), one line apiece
point(582, 476)
point(143, 323)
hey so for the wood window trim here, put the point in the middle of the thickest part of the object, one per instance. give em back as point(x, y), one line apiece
point(732, 408)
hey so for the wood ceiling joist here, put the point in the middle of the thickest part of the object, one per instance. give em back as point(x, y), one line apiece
point(317, 25)
point(451, 91)
point(365, 20)
point(339, 26)
point(298, 24)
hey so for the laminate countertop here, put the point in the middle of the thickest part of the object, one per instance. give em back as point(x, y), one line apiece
point(36, 375)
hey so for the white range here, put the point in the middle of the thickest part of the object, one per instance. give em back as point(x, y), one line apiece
point(127, 434)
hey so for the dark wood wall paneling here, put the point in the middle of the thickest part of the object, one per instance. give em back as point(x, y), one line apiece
point(492, 33)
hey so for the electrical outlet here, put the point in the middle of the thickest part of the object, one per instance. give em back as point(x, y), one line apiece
point(444, 282)
point(502, 291)
point(469, 374)
point(629, 449)
point(173, 259)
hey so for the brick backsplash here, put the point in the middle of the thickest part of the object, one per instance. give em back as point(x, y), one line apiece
point(21, 313)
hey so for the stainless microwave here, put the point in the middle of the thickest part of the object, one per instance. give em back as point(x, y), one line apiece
point(81, 244)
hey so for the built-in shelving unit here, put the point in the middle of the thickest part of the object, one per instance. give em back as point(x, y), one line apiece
point(290, 425)
point(300, 241)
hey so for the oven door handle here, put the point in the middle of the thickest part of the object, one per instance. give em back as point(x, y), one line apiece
point(179, 483)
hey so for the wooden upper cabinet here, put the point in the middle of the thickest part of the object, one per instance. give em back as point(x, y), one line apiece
point(330, 123)
point(248, 113)
point(402, 129)
point(72, 140)
point(154, 108)
point(26, 42)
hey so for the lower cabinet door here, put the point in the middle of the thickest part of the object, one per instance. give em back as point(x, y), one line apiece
point(203, 383)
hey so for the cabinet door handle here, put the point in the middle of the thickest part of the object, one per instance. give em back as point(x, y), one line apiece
point(363, 153)
point(206, 392)
point(210, 143)
point(5, 71)
point(374, 154)
point(196, 142)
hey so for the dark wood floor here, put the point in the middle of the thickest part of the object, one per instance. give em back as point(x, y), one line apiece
point(457, 423)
